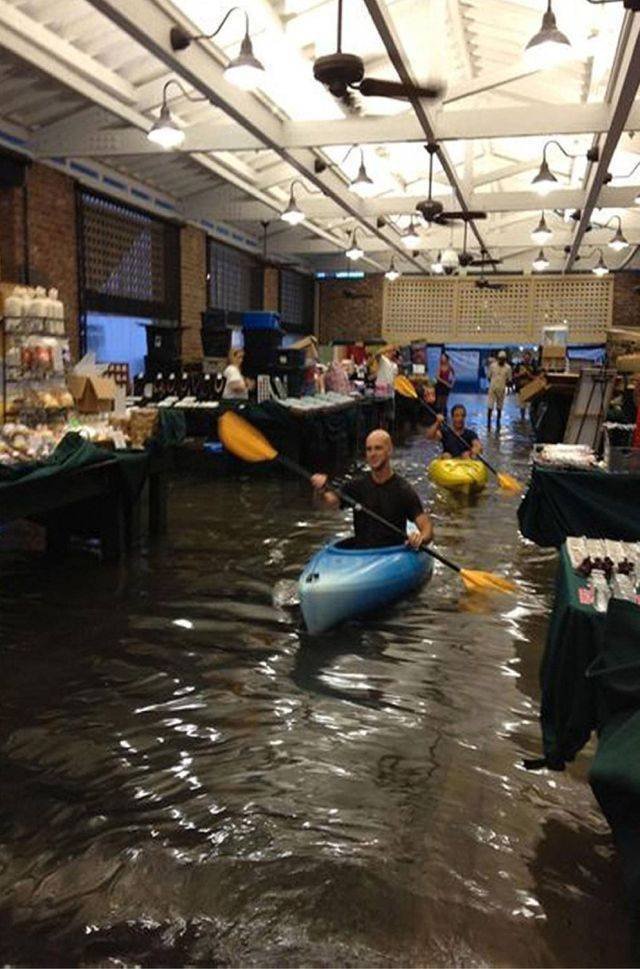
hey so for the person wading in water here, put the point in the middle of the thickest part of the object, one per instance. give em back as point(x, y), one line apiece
point(384, 492)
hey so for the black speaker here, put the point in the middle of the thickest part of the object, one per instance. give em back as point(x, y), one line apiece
point(215, 333)
point(260, 350)
point(163, 340)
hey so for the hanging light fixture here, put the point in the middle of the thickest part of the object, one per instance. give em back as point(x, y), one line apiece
point(165, 131)
point(450, 260)
point(545, 181)
point(292, 214)
point(354, 252)
point(362, 184)
point(600, 268)
point(245, 70)
point(436, 265)
point(542, 233)
point(410, 238)
point(540, 263)
point(392, 273)
point(549, 46)
point(618, 242)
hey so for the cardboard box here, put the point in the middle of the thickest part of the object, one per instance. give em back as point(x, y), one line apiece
point(92, 394)
point(533, 389)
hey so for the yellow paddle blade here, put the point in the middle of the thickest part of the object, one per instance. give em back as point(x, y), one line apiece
point(485, 581)
point(404, 386)
point(509, 483)
point(242, 439)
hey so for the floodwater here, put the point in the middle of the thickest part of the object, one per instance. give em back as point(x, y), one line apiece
point(189, 779)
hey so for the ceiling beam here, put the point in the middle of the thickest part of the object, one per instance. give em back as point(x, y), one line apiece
point(149, 23)
point(621, 92)
point(319, 207)
point(512, 122)
point(47, 52)
point(393, 46)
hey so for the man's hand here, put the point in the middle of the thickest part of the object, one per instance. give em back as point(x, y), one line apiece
point(439, 418)
point(414, 540)
point(476, 447)
point(319, 481)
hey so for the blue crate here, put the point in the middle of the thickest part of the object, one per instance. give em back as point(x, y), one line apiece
point(261, 320)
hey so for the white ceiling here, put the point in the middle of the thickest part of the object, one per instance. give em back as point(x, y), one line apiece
point(83, 79)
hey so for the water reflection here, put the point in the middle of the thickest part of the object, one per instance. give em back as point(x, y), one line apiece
point(188, 778)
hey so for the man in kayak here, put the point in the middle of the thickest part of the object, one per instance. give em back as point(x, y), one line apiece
point(385, 493)
point(452, 445)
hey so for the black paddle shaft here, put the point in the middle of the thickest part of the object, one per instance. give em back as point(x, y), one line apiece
point(348, 500)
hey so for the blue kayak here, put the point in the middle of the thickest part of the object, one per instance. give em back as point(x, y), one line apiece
point(341, 582)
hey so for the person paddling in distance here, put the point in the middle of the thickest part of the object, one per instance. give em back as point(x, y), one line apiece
point(466, 445)
point(384, 492)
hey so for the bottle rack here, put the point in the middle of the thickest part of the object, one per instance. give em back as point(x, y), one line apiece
point(33, 367)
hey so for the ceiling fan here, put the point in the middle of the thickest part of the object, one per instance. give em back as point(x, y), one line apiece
point(432, 210)
point(484, 283)
point(468, 259)
point(343, 74)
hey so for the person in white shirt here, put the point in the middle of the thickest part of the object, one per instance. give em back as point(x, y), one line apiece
point(387, 369)
point(236, 387)
point(500, 376)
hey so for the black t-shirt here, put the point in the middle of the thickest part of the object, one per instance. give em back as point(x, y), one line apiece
point(453, 445)
point(394, 500)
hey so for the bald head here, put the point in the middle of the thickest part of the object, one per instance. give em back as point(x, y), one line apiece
point(379, 437)
point(378, 448)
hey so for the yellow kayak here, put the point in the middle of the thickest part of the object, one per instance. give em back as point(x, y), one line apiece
point(465, 475)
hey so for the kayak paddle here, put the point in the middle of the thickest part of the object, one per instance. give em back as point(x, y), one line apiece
point(406, 389)
point(246, 442)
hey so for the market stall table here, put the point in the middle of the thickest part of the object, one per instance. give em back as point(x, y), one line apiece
point(85, 489)
point(595, 503)
point(590, 680)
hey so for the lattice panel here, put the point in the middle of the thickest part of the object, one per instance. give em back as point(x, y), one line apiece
point(492, 315)
point(421, 307)
point(455, 310)
point(585, 304)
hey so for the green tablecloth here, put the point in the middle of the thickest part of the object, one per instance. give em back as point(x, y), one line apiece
point(596, 503)
point(568, 707)
point(72, 454)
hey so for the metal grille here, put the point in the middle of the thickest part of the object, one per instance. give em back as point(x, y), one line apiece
point(296, 301)
point(130, 261)
point(235, 279)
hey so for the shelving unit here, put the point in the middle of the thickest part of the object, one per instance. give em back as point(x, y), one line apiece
point(35, 355)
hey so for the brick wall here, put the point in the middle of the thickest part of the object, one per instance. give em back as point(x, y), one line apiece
point(51, 225)
point(345, 318)
point(11, 235)
point(193, 284)
point(626, 303)
point(271, 289)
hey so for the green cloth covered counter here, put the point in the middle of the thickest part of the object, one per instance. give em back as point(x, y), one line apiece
point(590, 680)
point(568, 707)
point(598, 504)
point(81, 488)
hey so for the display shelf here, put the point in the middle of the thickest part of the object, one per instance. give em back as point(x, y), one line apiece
point(28, 391)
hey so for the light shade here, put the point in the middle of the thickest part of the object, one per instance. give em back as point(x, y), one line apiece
point(618, 243)
point(165, 132)
point(540, 263)
point(549, 46)
point(601, 268)
point(449, 259)
point(637, 199)
point(392, 273)
point(545, 180)
point(354, 252)
point(245, 70)
point(292, 214)
point(436, 266)
point(362, 185)
point(542, 233)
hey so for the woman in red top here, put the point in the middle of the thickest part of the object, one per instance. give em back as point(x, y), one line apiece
point(444, 383)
